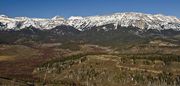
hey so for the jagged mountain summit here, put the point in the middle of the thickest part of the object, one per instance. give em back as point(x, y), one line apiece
point(139, 20)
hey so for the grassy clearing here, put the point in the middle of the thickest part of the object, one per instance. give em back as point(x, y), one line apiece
point(7, 58)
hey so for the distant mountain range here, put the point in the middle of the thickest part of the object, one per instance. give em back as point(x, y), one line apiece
point(128, 19)
point(115, 29)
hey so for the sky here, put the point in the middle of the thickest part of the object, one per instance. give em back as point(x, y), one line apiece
point(67, 8)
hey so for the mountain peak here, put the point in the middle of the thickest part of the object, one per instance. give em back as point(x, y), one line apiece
point(4, 16)
point(135, 19)
point(57, 18)
point(75, 17)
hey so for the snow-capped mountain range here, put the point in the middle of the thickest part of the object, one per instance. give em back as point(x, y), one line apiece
point(140, 20)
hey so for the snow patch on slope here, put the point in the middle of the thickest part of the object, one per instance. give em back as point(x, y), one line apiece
point(140, 20)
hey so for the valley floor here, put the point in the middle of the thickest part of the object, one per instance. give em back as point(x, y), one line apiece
point(56, 64)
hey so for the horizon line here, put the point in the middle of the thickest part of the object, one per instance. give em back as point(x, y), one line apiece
point(92, 15)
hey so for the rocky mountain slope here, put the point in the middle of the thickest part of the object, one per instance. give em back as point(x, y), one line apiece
point(140, 20)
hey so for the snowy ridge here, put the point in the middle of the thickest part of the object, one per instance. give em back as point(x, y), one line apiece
point(22, 22)
point(140, 20)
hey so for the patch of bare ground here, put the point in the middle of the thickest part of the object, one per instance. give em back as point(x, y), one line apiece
point(19, 61)
point(6, 58)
